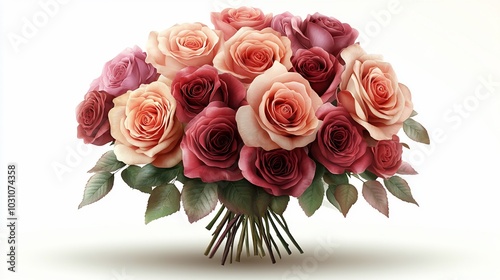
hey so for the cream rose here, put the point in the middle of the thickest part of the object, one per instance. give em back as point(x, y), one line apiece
point(249, 53)
point(145, 128)
point(188, 44)
point(280, 112)
point(371, 93)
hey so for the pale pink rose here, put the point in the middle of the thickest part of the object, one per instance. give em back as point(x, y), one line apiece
point(127, 71)
point(145, 128)
point(280, 112)
point(188, 44)
point(371, 93)
point(231, 20)
point(250, 53)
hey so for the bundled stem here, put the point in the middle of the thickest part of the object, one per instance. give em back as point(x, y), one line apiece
point(258, 228)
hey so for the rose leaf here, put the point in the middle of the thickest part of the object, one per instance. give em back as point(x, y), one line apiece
point(107, 162)
point(97, 187)
point(375, 194)
point(198, 199)
point(163, 201)
point(398, 187)
point(416, 131)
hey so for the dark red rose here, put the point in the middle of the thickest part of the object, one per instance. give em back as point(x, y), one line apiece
point(211, 145)
point(321, 69)
point(278, 172)
point(194, 88)
point(339, 145)
point(92, 117)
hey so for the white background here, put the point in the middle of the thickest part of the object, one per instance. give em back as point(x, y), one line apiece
point(446, 52)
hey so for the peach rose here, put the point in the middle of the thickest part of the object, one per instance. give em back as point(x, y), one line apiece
point(250, 53)
point(188, 44)
point(231, 20)
point(280, 112)
point(371, 93)
point(145, 128)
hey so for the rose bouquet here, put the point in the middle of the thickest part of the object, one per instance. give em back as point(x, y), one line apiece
point(245, 115)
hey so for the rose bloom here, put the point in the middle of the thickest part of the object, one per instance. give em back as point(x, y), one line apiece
point(278, 172)
point(188, 44)
point(144, 125)
point(231, 20)
point(339, 145)
point(321, 69)
point(250, 53)
point(371, 93)
point(316, 30)
point(127, 71)
point(280, 112)
point(386, 157)
point(211, 146)
point(92, 118)
point(195, 87)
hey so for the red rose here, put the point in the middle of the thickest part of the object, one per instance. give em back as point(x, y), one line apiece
point(92, 117)
point(194, 88)
point(386, 157)
point(278, 172)
point(339, 145)
point(321, 69)
point(211, 145)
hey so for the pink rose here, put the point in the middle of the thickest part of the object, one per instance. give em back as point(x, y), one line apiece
point(127, 71)
point(92, 118)
point(194, 88)
point(280, 112)
point(278, 172)
point(316, 30)
point(386, 157)
point(231, 20)
point(250, 53)
point(211, 146)
point(321, 69)
point(144, 125)
point(188, 44)
point(371, 93)
point(339, 145)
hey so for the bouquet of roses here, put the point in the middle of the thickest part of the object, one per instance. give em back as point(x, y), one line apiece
point(244, 116)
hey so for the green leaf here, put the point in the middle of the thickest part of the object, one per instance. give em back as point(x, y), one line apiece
point(398, 187)
point(262, 202)
point(198, 199)
point(107, 163)
point(346, 196)
point(375, 194)
point(279, 203)
point(330, 195)
point(163, 201)
point(413, 113)
point(415, 131)
point(367, 175)
point(239, 197)
point(312, 198)
point(335, 179)
point(148, 176)
point(97, 187)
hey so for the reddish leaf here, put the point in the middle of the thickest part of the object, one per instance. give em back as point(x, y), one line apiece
point(406, 169)
point(376, 195)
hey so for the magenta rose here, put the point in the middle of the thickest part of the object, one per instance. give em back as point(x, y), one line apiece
point(92, 117)
point(278, 172)
point(321, 69)
point(231, 20)
point(211, 146)
point(339, 145)
point(127, 71)
point(386, 157)
point(194, 88)
point(316, 30)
